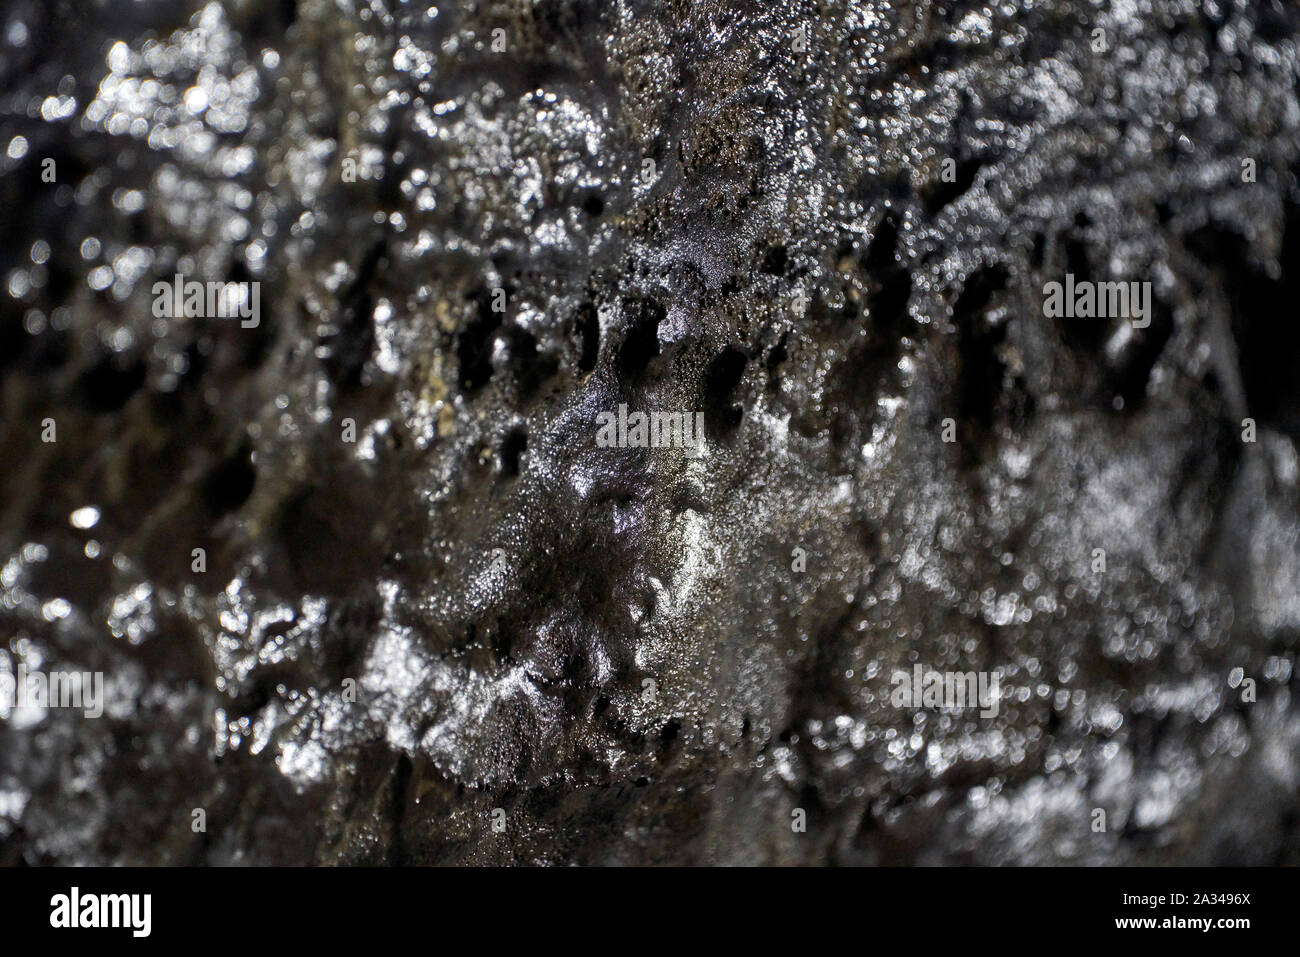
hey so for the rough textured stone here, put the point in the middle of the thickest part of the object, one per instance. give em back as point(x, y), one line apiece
point(611, 645)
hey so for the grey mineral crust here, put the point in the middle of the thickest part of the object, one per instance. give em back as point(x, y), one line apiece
point(610, 645)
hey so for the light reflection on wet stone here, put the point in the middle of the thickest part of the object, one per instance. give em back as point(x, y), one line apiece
point(498, 590)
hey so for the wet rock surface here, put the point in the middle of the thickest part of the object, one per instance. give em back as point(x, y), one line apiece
point(474, 606)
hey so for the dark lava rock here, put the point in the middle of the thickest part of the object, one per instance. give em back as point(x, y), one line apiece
point(465, 255)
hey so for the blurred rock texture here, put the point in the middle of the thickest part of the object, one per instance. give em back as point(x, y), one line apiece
point(610, 645)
